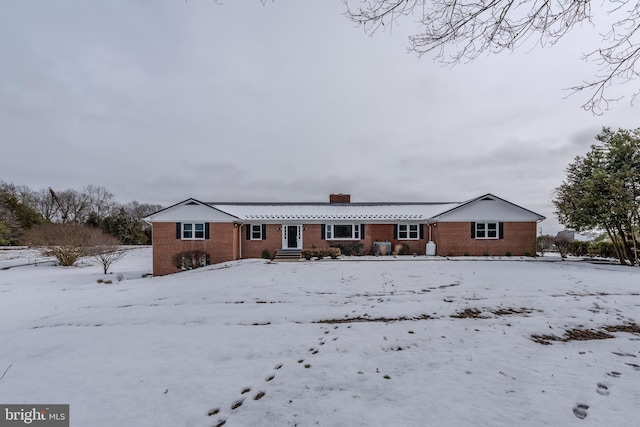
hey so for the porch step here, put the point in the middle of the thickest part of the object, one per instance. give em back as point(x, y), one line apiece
point(287, 255)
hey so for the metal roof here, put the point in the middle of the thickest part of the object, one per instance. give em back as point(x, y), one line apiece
point(373, 212)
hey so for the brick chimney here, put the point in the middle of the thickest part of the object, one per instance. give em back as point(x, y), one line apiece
point(340, 198)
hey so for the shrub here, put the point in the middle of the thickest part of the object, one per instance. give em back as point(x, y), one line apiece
point(68, 242)
point(602, 249)
point(508, 254)
point(349, 249)
point(579, 248)
point(405, 250)
point(334, 253)
point(321, 253)
point(563, 245)
point(266, 254)
point(188, 260)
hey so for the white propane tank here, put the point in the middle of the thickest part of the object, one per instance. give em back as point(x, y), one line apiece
point(431, 248)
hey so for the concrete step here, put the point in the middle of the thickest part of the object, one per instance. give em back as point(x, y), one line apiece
point(288, 255)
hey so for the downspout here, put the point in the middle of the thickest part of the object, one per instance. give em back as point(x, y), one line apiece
point(430, 250)
point(535, 241)
point(240, 240)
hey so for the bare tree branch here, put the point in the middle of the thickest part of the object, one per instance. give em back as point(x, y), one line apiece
point(457, 31)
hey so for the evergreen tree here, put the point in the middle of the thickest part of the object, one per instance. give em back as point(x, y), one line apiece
point(602, 191)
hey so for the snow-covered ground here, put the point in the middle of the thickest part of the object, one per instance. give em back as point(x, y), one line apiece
point(331, 343)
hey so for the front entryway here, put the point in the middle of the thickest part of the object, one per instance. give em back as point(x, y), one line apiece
point(292, 237)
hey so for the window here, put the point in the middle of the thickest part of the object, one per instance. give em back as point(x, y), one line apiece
point(408, 232)
point(486, 230)
point(255, 232)
point(193, 231)
point(342, 231)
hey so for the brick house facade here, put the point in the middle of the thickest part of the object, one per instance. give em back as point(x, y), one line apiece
point(209, 233)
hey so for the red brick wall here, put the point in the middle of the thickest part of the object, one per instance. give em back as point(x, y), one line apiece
point(311, 236)
point(253, 248)
point(454, 239)
point(384, 233)
point(221, 245)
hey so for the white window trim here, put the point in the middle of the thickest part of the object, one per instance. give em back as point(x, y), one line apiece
point(193, 231)
point(355, 232)
point(407, 231)
point(251, 231)
point(486, 230)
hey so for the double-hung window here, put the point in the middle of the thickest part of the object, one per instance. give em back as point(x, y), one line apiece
point(487, 230)
point(255, 231)
point(342, 232)
point(408, 232)
point(193, 231)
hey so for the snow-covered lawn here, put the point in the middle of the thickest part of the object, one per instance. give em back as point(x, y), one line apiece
point(405, 342)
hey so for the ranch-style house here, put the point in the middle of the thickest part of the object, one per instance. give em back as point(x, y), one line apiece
point(219, 232)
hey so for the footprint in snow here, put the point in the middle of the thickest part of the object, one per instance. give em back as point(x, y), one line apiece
point(269, 378)
point(580, 410)
point(602, 390)
point(614, 374)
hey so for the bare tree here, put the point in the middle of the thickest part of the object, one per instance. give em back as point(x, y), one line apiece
point(100, 200)
point(471, 28)
point(46, 205)
point(73, 206)
point(107, 250)
point(544, 243)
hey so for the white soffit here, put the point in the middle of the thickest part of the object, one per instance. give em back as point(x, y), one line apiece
point(191, 211)
point(489, 209)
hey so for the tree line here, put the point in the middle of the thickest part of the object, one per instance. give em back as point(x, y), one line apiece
point(22, 209)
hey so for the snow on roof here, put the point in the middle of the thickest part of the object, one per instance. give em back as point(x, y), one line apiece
point(337, 212)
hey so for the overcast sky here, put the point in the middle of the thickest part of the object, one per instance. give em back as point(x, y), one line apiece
point(159, 101)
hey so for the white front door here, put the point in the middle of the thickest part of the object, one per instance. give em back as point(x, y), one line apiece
point(291, 236)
